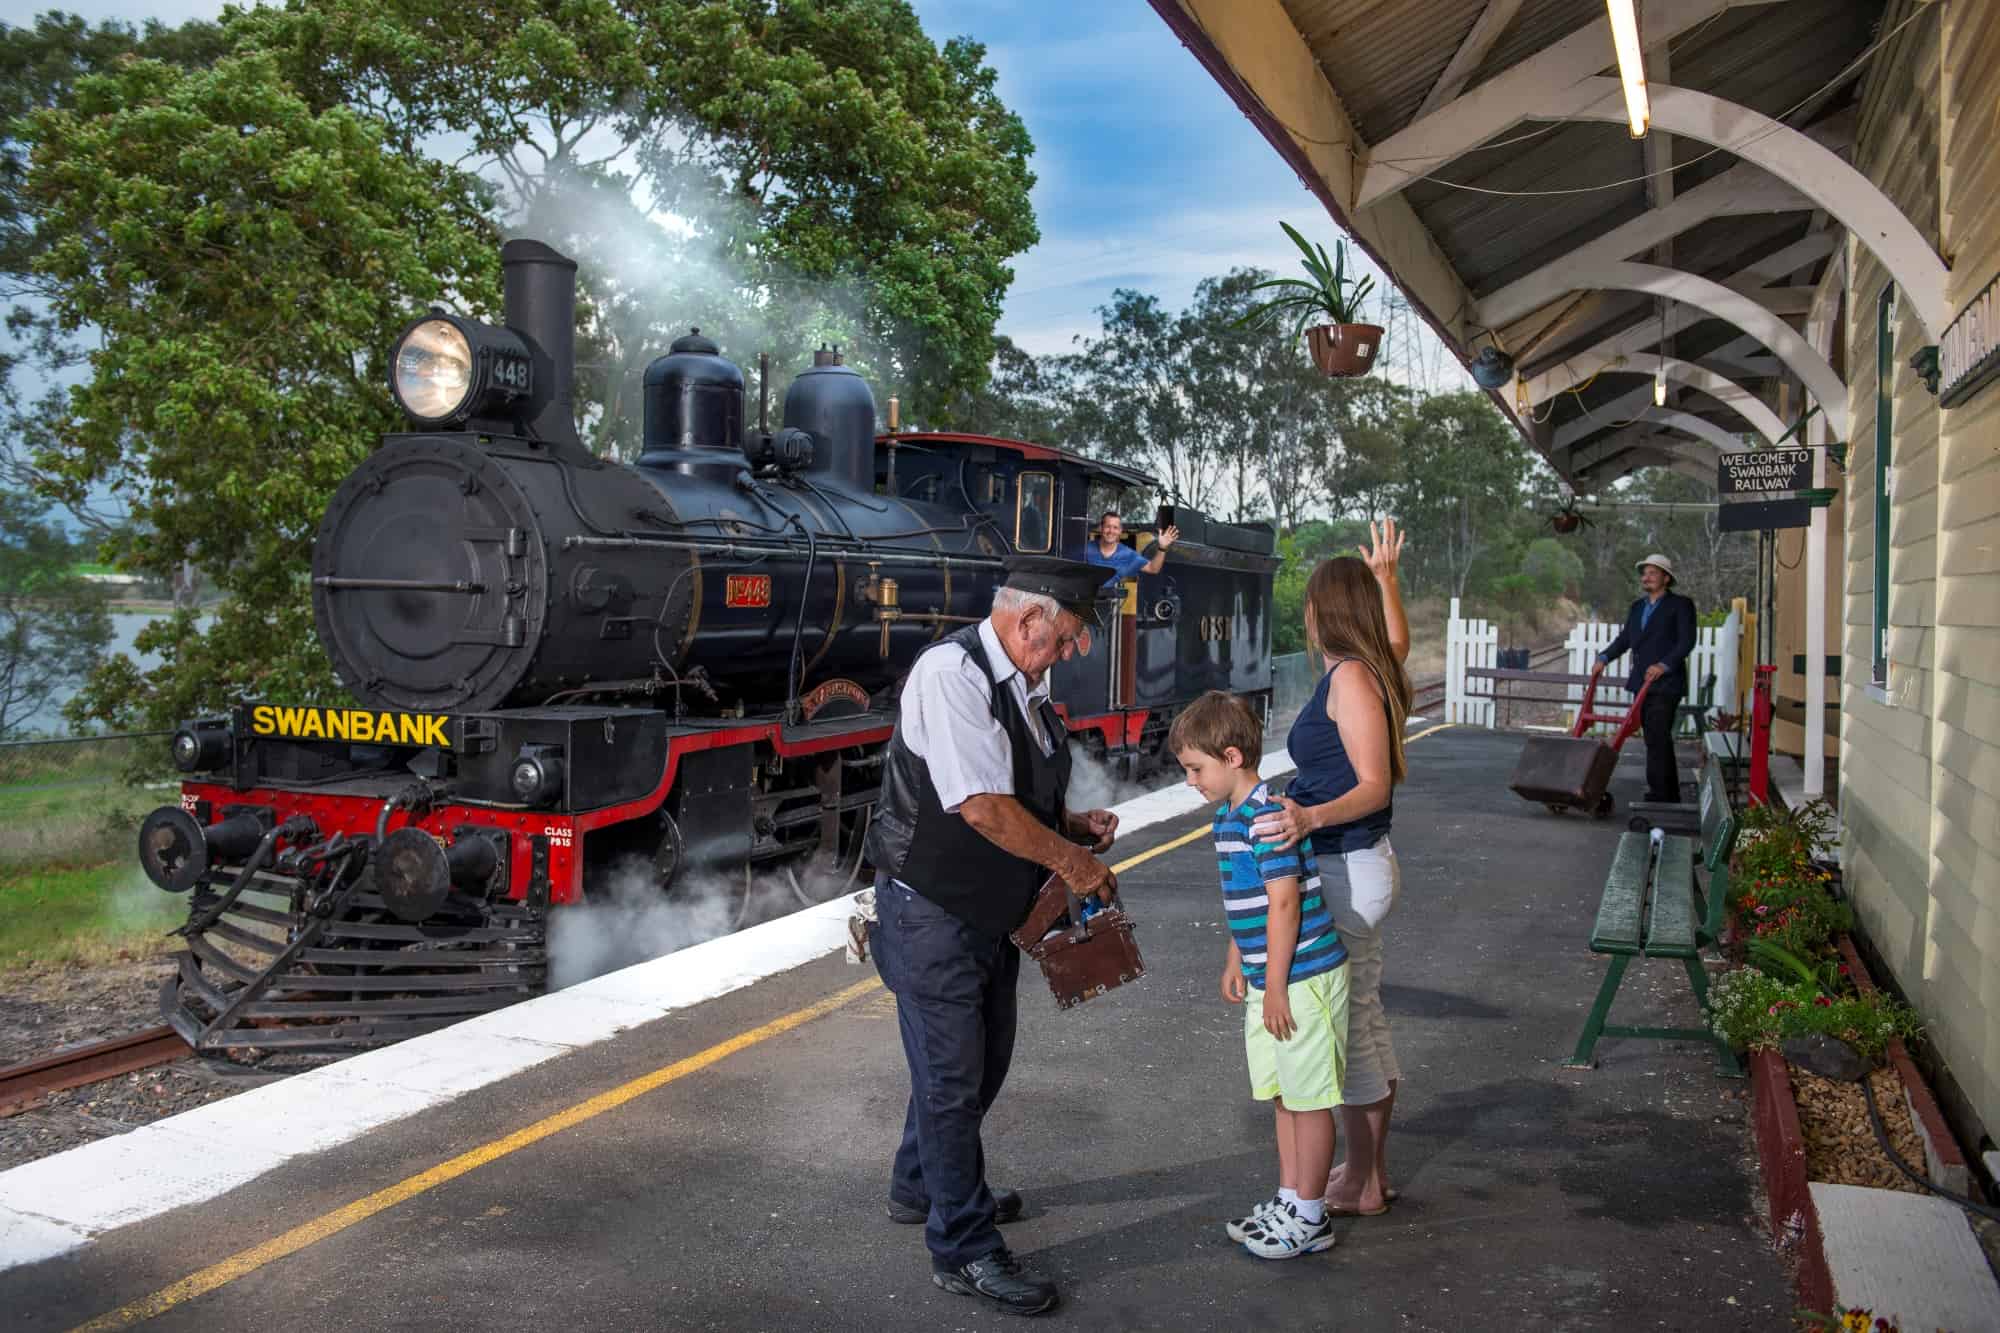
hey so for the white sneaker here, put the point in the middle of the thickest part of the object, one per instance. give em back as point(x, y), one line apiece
point(1238, 1229)
point(1283, 1234)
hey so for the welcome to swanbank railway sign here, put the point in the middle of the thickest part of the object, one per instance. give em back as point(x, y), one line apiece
point(1764, 488)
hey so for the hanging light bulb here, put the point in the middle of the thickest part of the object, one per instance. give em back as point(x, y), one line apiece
point(1660, 384)
point(1631, 64)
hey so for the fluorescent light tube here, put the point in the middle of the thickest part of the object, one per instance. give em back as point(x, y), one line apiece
point(1631, 64)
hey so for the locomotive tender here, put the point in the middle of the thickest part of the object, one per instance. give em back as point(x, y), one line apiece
point(560, 664)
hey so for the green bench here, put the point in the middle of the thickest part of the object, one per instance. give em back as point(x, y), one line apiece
point(1652, 908)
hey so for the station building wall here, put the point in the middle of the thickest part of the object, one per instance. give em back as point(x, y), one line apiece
point(1920, 773)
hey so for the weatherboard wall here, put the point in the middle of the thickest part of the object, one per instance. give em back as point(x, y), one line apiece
point(1960, 986)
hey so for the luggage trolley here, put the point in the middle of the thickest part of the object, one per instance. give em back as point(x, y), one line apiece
point(1574, 770)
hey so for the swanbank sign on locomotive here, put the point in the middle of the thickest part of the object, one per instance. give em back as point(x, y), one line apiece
point(350, 724)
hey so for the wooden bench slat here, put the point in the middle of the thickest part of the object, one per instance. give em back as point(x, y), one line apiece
point(1670, 921)
point(1617, 928)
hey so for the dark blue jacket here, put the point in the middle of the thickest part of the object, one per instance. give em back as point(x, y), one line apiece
point(1667, 638)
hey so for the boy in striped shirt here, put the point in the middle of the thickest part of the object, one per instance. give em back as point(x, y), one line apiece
point(1295, 1034)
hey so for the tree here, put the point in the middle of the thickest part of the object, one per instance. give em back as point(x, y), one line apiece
point(40, 66)
point(1026, 397)
point(779, 173)
point(1460, 484)
point(1132, 403)
point(1552, 569)
point(241, 258)
point(53, 624)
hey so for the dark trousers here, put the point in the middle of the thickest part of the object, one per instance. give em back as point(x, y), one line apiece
point(1656, 719)
point(955, 1006)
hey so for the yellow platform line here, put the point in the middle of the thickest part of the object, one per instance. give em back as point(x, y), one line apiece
point(329, 1224)
point(248, 1261)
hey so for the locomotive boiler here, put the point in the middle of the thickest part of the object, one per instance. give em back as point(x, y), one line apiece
point(560, 666)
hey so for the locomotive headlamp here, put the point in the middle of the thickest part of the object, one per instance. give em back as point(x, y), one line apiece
point(200, 745)
point(537, 776)
point(446, 370)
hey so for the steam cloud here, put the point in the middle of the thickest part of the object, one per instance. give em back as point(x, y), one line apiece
point(660, 252)
point(625, 919)
point(1094, 783)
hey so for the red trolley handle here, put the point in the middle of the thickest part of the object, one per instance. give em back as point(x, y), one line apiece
point(1587, 716)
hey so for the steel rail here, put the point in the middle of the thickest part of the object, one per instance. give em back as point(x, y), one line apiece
point(24, 1084)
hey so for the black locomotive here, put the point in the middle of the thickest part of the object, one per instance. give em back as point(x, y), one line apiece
point(559, 664)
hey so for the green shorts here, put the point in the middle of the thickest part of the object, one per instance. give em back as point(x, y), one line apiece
point(1305, 1069)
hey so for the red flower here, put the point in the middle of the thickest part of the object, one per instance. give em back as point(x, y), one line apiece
point(1843, 969)
point(1822, 1001)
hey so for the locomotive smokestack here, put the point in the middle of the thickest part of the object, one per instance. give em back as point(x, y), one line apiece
point(540, 302)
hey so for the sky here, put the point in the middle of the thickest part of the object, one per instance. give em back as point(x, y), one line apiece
point(1148, 176)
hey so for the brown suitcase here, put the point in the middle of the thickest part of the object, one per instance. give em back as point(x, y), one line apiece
point(1564, 770)
point(1081, 959)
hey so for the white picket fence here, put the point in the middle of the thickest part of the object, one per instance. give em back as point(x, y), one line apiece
point(1476, 643)
point(1468, 643)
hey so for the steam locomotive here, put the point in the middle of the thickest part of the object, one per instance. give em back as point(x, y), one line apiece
point(559, 665)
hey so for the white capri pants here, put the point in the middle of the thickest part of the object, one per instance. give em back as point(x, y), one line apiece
point(1361, 888)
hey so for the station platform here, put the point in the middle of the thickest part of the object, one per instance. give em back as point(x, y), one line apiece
point(724, 1165)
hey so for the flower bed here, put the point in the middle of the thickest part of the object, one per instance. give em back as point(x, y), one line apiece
point(1795, 978)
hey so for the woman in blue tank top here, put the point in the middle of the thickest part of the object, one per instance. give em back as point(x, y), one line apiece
point(1348, 745)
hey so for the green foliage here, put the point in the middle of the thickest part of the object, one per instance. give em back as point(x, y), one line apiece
point(1781, 895)
point(53, 623)
point(831, 171)
point(1325, 290)
point(1750, 1008)
point(40, 67)
point(1459, 485)
point(1552, 569)
point(1231, 419)
point(241, 256)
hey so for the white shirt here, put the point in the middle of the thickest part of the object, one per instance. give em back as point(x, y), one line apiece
point(947, 719)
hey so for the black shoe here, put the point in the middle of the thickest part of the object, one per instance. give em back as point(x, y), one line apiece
point(1000, 1279)
point(1007, 1207)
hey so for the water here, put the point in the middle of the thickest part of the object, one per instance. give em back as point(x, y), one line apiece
point(125, 627)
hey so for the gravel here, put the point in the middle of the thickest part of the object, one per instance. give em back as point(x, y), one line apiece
point(1840, 1140)
point(45, 1009)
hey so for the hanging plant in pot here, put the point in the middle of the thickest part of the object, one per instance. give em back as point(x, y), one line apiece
point(1344, 346)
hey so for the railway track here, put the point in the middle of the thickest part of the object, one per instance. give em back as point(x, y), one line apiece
point(1428, 692)
point(25, 1084)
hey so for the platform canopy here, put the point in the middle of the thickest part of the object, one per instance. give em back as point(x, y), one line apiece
point(1479, 151)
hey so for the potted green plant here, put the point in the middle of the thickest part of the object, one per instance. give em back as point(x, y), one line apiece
point(1344, 346)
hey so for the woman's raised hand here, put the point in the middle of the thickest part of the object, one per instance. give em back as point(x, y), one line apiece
point(1283, 828)
point(1385, 548)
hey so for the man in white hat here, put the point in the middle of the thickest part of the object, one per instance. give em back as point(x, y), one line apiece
point(1659, 629)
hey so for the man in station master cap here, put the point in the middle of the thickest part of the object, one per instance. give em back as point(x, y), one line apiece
point(1659, 629)
point(970, 822)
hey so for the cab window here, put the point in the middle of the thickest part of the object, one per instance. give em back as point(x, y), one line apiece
point(1034, 512)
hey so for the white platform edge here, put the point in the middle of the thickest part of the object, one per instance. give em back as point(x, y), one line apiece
point(59, 1203)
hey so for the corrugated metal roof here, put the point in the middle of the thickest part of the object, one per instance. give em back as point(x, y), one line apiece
point(1383, 57)
point(1540, 24)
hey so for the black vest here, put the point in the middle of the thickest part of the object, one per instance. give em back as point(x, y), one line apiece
point(941, 856)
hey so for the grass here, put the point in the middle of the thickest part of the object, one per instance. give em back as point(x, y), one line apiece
point(71, 823)
point(70, 886)
point(83, 914)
